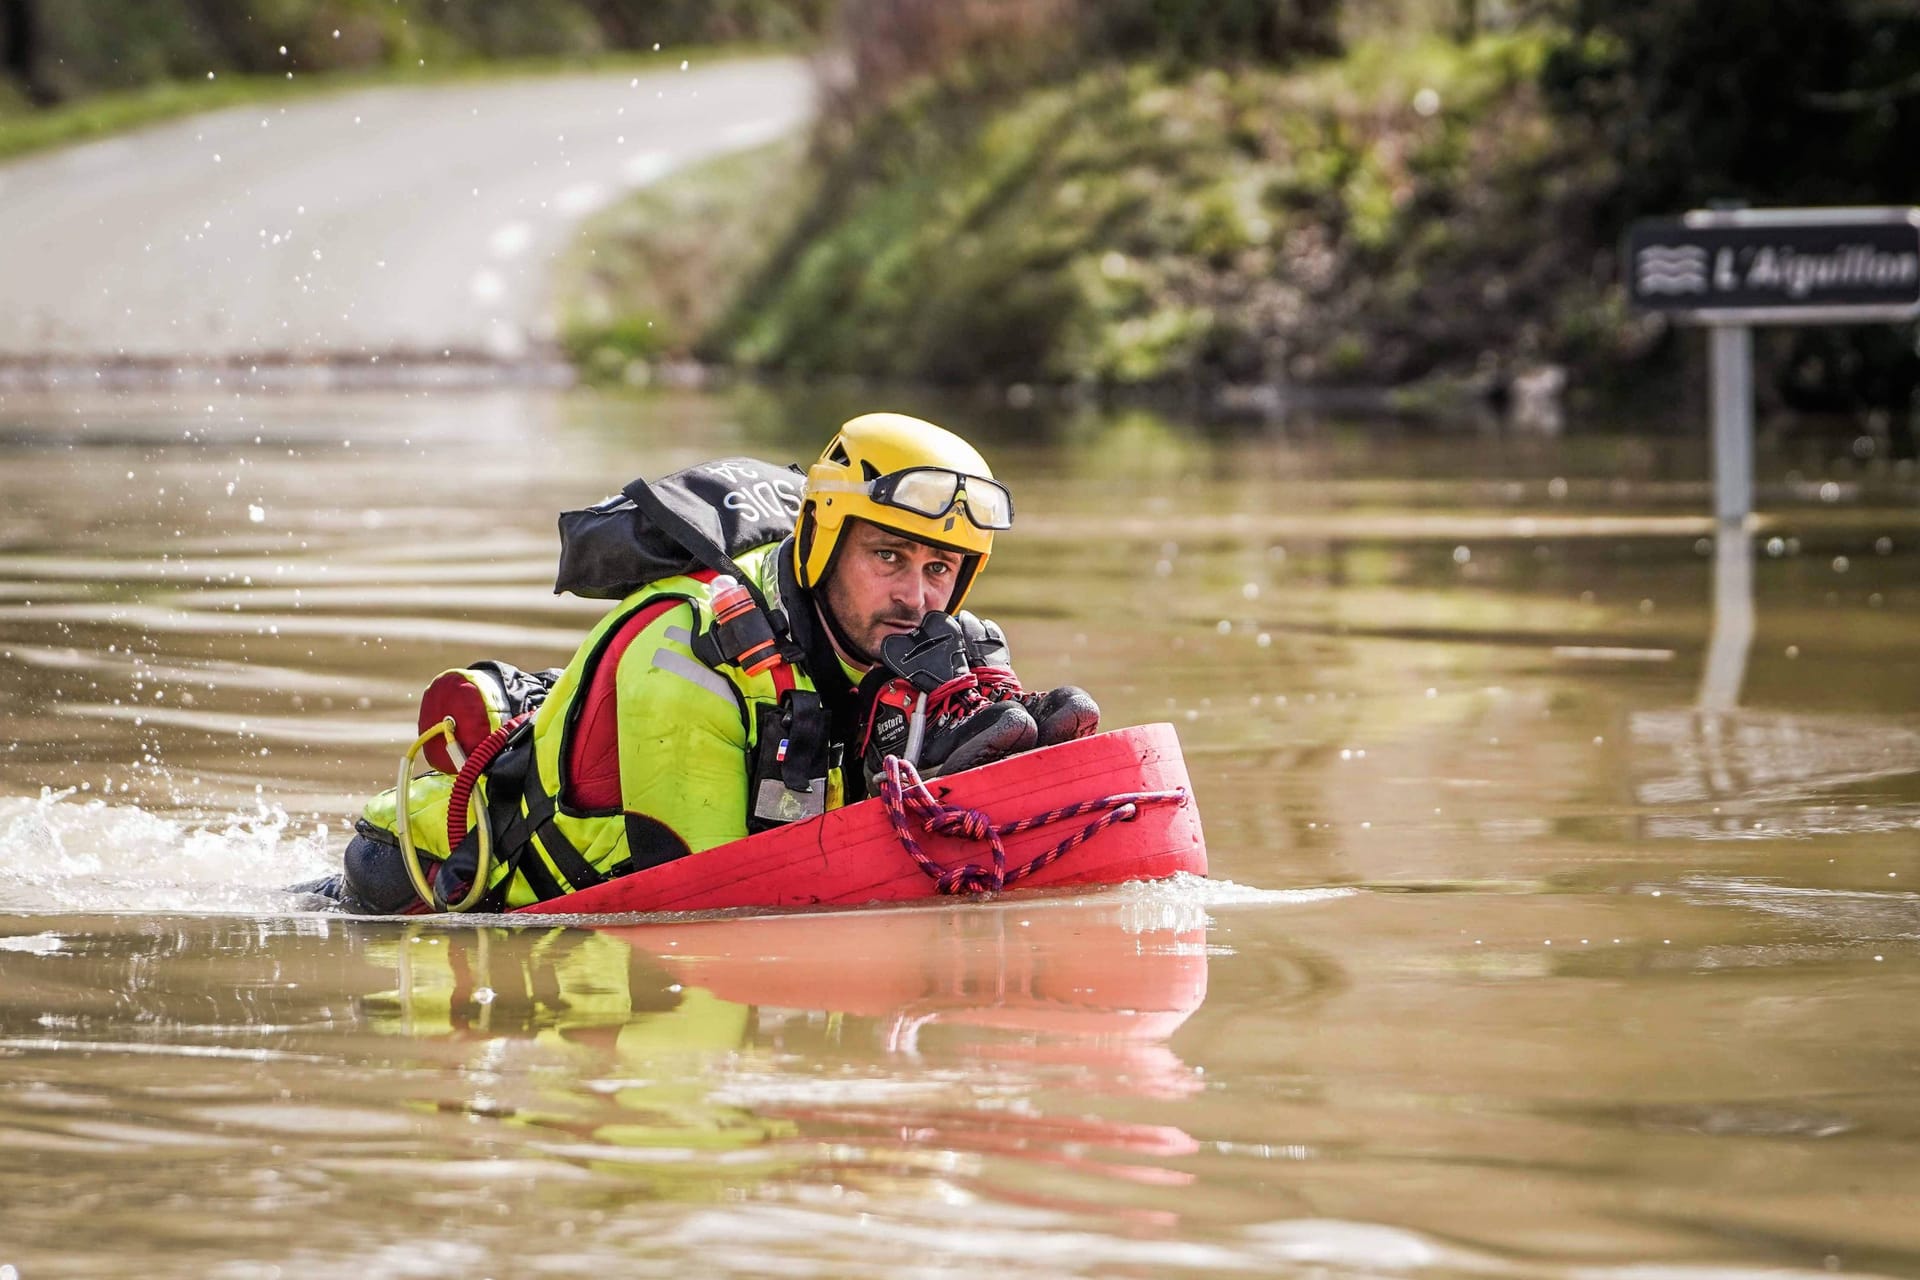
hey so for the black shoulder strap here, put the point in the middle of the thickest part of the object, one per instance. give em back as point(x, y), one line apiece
point(701, 547)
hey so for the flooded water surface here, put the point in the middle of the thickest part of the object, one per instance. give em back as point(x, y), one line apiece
point(1562, 919)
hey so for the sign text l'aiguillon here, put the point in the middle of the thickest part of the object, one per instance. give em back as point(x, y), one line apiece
point(1778, 266)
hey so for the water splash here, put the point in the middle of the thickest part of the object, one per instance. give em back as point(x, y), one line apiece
point(58, 855)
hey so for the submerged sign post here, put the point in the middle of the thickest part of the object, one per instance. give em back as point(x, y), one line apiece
point(1731, 269)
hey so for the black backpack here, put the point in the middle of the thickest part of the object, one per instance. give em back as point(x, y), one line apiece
point(698, 518)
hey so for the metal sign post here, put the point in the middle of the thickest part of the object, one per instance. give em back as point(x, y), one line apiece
point(1734, 268)
point(1730, 351)
point(1731, 269)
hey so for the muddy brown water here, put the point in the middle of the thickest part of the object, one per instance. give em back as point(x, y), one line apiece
point(1547, 935)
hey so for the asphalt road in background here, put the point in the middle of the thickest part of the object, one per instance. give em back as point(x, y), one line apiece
point(391, 222)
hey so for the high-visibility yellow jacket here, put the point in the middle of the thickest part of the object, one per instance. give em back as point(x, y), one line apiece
point(688, 736)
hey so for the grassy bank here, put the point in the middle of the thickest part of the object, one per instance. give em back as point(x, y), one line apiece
point(649, 277)
point(1400, 214)
point(24, 129)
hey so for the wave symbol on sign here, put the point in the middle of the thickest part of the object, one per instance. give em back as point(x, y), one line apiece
point(1671, 268)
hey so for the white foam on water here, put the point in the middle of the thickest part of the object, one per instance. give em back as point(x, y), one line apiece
point(61, 854)
point(1179, 902)
point(1203, 892)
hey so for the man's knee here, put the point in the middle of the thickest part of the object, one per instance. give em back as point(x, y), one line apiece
point(377, 881)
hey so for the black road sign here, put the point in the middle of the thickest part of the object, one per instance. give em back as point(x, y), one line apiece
point(1758, 266)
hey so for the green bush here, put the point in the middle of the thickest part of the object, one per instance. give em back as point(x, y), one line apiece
point(68, 49)
point(1376, 218)
point(1221, 31)
point(1793, 102)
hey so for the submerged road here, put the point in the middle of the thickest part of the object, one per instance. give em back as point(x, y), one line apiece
point(409, 222)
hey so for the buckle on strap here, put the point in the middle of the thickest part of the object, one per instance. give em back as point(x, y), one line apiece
point(790, 771)
point(745, 640)
point(805, 727)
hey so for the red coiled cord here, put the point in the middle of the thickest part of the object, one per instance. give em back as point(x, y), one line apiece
point(902, 791)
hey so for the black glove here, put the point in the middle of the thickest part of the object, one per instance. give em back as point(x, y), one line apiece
point(965, 726)
point(985, 642)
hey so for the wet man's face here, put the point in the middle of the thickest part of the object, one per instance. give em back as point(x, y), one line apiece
point(882, 583)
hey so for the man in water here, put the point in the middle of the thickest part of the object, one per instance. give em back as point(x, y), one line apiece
point(663, 737)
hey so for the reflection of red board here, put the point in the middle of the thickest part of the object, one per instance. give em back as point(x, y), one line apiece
point(1044, 967)
point(852, 856)
point(1074, 984)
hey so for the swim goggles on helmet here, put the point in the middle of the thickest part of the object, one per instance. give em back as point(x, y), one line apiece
point(934, 491)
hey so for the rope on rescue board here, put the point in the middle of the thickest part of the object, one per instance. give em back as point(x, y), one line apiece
point(901, 791)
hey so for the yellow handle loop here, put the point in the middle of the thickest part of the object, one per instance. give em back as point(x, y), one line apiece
point(411, 859)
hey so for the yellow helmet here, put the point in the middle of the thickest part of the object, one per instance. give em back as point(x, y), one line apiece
point(908, 476)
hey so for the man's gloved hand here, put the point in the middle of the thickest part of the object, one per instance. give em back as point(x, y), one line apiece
point(964, 727)
point(1059, 715)
point(985, 642)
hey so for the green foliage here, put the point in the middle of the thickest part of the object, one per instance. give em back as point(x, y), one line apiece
point(1789, 102)
point(1793, 102)
point(1222, 31)
point(604, 352)
point(84, 47)
point(649, 275)
point(23, 129)
point(1149, 224)
point(990, 50)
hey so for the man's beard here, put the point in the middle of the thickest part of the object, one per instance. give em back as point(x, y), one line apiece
point(855, 646)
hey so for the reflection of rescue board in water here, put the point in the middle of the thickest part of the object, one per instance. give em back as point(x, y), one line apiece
point(1067, 984)
point(1101, 810)
point(701, 1039)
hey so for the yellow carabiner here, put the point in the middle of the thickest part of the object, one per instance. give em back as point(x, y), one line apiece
point(411, 859)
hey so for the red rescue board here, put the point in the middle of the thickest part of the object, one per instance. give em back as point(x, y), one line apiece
point(852, 856)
